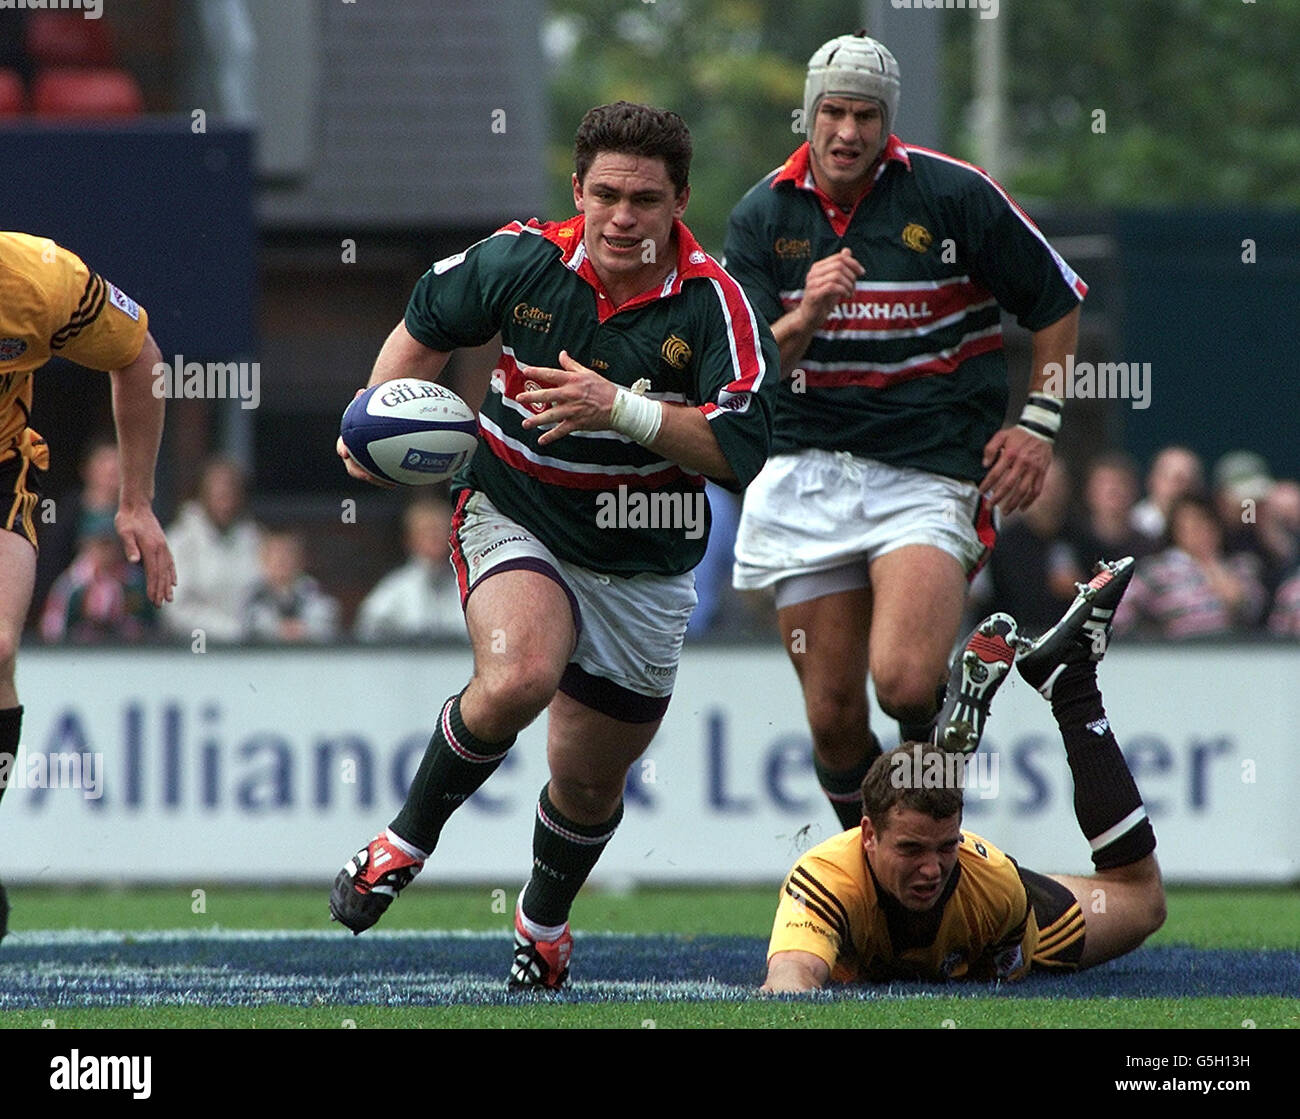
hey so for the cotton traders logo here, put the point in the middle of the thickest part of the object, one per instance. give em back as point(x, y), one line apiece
point(675, 352)
point(792, 248)
point(533, 318)
point(916, 237)
point(11, 348)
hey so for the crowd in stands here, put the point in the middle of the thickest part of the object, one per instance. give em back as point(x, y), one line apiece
point(237, 581)
point(1218, 555)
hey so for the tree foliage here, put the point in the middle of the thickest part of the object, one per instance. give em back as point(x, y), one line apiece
point(1200, 98)
point(1201, 101)
point(733, 69)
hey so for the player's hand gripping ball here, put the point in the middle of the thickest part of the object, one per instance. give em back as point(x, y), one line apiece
point(410, 432)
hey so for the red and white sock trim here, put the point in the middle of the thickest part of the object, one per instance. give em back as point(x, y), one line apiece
point(457, 748)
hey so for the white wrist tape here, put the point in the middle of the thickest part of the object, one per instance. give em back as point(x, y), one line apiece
point(1042, 416)
point(636, 416)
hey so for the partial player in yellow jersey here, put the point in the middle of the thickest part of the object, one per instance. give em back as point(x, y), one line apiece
point(908, 894)
point(52, 304)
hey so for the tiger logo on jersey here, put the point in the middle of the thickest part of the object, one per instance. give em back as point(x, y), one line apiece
point(675, 352)
point(916, 237)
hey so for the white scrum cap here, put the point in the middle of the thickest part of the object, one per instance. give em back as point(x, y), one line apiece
point(853, 66)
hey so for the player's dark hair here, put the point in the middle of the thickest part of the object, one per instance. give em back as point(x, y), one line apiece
point(892, 780)
point(631, 129)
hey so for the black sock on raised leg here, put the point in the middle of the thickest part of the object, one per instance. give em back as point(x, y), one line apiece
point(1107, 803)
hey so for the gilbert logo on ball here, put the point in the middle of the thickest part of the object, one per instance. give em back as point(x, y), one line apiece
point(411, 432)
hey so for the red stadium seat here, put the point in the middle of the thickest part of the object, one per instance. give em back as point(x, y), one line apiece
point(13, 95)
point(68, 39)
point(95, 94)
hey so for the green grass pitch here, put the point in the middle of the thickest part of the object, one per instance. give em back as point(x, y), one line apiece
point(1203, 918)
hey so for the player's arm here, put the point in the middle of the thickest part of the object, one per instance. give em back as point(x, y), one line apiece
point(813, 924)
point(829, 281)
point(1016, 459)
point(138, 416)
point(1005, 252)
point(403, 356)
point(400, 356)
point(725, 438)
point(99, 326)
point(747, 256)
point(580, 399)
point(456, 303)
point(686, 438)
point(795, 971)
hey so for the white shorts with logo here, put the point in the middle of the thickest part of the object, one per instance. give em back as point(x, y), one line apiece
point(630, 628)
point(815, 512)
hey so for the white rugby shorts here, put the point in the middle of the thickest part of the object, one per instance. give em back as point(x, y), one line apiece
point(630, 629)
point(818, 511)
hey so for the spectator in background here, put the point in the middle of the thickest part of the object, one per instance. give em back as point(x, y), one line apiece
point(722, 611)
point(713, 574)
point(1105, 529)
point(1192, 588)
point(421, 598)
point(1175, 471)
point(101, 475)
point(1033, 571)
point(1285, 617)
point(100, 597)
point(287, 604)
point(1278, 532)
point(216, 549)
point(1241, 483)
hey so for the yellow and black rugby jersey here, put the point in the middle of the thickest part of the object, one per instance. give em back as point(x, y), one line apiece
point(980, 928)
point(52, 304)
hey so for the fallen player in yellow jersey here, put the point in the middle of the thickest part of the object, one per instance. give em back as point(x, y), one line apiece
point(910, 895)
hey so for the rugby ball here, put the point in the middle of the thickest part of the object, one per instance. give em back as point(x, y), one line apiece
point(409, 431)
